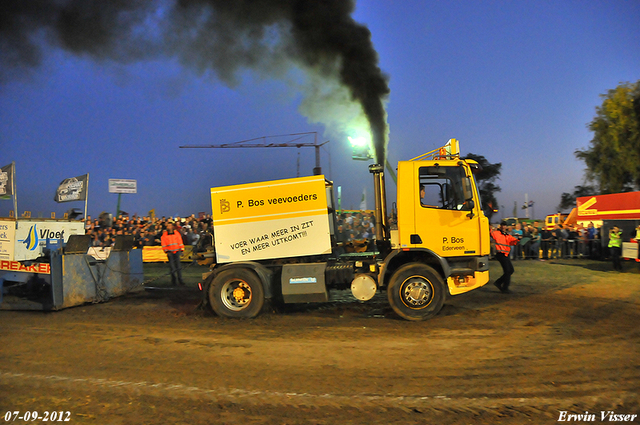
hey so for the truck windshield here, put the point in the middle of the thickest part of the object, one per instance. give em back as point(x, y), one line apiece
point(443, 187)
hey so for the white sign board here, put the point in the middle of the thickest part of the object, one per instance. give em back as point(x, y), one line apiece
point(123, 186)
point(275, 219)
point(32, 237)
point(7, 238)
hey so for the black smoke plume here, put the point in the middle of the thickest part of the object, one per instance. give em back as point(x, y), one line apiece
point(209, 36)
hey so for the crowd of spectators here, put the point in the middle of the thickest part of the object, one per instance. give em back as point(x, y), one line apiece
point(536, 242)
point(563, 241)
point(355, 225)
point(146, 231)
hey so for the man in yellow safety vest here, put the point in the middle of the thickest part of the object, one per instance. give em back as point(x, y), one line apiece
point(615, 247)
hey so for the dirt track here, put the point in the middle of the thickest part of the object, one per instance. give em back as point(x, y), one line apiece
point(567, 339)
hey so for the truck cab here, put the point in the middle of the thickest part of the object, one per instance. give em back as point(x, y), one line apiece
point(440, 218)
point(552, 220)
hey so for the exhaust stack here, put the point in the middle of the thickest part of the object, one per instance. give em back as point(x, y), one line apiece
point(380, 194)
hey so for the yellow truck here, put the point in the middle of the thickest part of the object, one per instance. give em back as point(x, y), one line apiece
point(276, 240)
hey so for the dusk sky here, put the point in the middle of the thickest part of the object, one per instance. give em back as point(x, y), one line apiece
point(517, 82)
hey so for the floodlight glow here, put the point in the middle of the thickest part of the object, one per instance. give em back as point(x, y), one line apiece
point(358, 141)
point(360, 148)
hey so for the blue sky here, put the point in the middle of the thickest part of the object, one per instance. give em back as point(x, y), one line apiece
point(516, 81)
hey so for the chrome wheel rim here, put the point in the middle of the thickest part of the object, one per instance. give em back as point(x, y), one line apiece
point(236, 294)
point(416, 292)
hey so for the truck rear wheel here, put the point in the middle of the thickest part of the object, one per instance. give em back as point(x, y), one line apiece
point(416, 292)
point(236, 293)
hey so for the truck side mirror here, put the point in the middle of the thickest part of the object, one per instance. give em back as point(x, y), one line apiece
point(466, 187)
point(469, 204)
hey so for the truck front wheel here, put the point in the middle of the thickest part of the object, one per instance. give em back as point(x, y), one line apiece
point(237, 293)
point(416, 292)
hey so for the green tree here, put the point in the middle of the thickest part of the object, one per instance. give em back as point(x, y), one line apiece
point(613, 156)
point(486, 183)
point(568, 200)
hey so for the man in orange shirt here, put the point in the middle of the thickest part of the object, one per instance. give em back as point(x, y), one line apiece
point(173, 246)
point(504, 241)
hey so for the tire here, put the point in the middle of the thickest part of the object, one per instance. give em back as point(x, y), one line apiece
point(236, 293)
point(416, 292)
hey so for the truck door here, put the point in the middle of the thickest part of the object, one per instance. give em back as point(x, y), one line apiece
point(448, 214)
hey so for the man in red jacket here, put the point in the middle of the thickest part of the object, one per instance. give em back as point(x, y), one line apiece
point(504, 241)
point(172, 245)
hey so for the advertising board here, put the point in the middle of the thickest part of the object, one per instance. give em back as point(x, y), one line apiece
point(123, 186)
point(31, 236)
point(274, 219)
point(7, 238)
point(614, 206)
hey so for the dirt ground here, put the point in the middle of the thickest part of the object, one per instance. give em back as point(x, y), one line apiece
point(566, 340)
